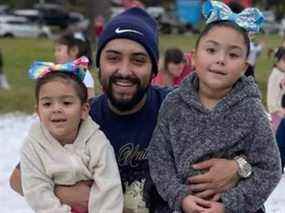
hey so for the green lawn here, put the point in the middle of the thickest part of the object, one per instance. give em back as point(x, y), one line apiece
point(20, 53)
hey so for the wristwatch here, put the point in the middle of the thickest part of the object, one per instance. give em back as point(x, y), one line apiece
point(244, 168)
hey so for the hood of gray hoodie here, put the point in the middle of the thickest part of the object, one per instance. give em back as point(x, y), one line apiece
point(243, 89)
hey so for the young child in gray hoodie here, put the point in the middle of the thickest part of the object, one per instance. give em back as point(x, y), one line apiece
point(216, 113)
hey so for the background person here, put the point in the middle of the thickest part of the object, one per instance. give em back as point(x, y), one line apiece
point(276, 84)
point(69, 47)
point(176, 67)
point(256, 48)
point(3, 80)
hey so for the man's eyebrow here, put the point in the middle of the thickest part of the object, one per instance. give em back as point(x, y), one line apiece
point(140, 54)
point(112, 51)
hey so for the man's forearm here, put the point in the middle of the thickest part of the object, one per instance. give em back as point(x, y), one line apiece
point(15, 181)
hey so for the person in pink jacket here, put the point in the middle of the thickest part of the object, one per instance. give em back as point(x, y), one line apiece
point(176, 67)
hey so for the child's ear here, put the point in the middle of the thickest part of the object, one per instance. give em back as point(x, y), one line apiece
point(84, 111)
point(36, 109)
point(245, 67)
point(73, 52)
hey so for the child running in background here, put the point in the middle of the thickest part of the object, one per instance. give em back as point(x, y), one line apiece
point(71, 46)
point(176, 67)
point(216, 113)
point(66, 146)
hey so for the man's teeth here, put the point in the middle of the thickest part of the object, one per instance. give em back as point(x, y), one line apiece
point(124, 83)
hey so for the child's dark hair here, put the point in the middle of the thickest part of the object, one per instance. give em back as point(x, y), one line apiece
point(229, 24)
point(66, 77)
point(173, 55)
point(280, 53)
point(83, 45)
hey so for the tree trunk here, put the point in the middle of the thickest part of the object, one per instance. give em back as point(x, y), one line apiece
point(96, 8)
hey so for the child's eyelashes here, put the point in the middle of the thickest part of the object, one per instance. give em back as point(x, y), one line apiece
point(231, 55)
point(67, 103)
point(46, 104)
point(234, 55)
point(210, 50)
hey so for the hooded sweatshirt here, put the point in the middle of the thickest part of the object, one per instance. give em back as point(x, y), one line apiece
point(46, 163)
point(188, 133)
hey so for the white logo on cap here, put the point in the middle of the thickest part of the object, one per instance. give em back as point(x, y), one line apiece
point(119, 31)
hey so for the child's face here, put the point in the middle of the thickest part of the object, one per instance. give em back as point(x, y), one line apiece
point(220, 58)
point(60, 110)
point(61, 54)
point(175, 69)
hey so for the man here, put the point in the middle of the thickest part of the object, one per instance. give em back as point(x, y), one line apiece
point(127, 58)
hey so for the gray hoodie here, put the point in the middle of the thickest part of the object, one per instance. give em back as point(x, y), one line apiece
point(187, 133)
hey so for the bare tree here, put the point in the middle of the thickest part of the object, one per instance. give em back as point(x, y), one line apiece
point(96, 8)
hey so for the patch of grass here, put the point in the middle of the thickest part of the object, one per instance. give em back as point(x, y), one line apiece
point(20, 53)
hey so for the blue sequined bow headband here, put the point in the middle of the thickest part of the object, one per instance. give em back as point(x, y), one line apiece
point(78, 68)
point(251, 19)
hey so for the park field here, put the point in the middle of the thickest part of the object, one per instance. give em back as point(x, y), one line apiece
point(20, 53)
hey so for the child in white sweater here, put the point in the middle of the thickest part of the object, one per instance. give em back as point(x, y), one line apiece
point(66, 146)
point(276, 83)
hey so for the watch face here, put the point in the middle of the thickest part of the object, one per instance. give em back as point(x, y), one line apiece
point(245, 169)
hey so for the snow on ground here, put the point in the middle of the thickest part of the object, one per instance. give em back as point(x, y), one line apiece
point(13, 128)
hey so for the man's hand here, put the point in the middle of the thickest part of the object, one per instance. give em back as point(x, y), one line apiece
point(221, 176)
point(76, 195)
point(193, 204)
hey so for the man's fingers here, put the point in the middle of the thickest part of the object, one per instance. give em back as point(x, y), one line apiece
point(204, 178)
point(204, 165)
point(216, 197)
point(198, 187)
point(202, 203)
point(205, 194)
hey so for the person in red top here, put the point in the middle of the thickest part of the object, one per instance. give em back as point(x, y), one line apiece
point(176, 67)
point(98, 25)
point(132, 3)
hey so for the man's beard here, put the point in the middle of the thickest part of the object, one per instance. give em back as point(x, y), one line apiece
point(125, 105)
